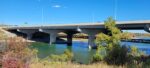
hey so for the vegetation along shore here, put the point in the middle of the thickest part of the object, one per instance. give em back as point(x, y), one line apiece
point(15, 53)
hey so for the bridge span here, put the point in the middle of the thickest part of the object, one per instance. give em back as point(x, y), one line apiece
point(91, 29)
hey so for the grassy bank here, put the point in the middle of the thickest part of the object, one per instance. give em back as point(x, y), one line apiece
point(72, 65)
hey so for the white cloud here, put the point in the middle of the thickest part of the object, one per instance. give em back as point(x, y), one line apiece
point(56, 6)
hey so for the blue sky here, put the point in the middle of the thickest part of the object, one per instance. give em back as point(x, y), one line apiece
point(17, 12)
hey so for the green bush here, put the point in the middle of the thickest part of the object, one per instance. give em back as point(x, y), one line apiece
point(110, 41)
point(134, 51)
point(146, 64)
point(99, 55)
point(65, 57)
point(118, 55)
point(97, 58)
point(69, 54)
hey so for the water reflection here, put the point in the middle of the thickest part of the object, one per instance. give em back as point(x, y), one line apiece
point(80, 50)
point(145, 47)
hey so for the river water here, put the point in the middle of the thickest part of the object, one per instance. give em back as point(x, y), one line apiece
point(82, 53)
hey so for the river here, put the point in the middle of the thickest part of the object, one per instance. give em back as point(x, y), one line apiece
point(82, 53)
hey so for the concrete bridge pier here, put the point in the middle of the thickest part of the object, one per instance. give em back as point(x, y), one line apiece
point(69, 39)
point(53, 34)
point(29, 33)
point(147, 28)
point(91, 39)
point(91, 36)
point(52, 38)
point(29, 36)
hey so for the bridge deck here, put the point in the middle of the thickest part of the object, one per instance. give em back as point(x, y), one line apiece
point(128, 25)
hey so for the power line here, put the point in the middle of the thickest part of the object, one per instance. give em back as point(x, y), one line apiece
point(93, 17)
point(115, 9)
point(42, 17)
point(42, 13)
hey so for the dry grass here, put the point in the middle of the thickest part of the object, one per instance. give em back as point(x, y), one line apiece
point(72, 65)
point(17, 53)
point(2, 35)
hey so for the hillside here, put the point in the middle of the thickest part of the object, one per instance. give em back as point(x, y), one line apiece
point(5, 34)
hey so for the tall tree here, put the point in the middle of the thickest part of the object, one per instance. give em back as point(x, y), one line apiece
point(110, 44)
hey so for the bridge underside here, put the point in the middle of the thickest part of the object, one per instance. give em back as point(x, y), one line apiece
point(50, 36)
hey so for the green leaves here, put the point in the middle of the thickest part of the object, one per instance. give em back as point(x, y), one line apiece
point(66, 56)
point(102, 38)
point(135, 51)
point(127, 35)
point(109, 23)
point(110, 43)
point(114, 34)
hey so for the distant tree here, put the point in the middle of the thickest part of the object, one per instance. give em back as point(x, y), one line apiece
point(127, 35)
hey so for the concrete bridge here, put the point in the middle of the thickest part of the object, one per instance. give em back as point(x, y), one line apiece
point(91, 29)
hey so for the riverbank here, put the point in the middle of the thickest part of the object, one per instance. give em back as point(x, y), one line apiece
point(72, 65)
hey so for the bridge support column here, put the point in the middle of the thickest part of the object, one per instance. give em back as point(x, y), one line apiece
point(52, 38)
point(52, 33)
point(91, 39)
point(147, 28)
point(91, 36)
point(29, 35)
point(69, 39)
point(27, 32)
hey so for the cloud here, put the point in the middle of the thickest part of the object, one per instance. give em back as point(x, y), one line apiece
point(56, 6)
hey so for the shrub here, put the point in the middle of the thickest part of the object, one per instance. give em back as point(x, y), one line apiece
point(146, 64)
point(99, 55)
point(69, 54)
point(115, 53)
point(17, 55)
point(97, 58)
point(118, 55)
point(10, 60)
point(134, 51)
point(65, 57)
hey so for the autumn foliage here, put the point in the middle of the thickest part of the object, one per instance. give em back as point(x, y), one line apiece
point(17, 54)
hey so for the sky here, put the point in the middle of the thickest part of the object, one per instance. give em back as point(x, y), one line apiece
point(46, 12)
